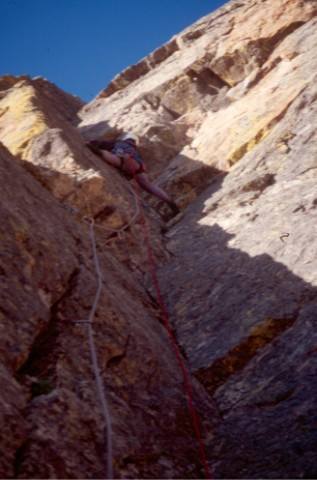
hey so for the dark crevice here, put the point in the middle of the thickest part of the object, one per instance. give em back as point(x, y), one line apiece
point(106, 212)
point(259, 184)
point(153, 300)
point(259, 51)
point(268, 45)
point(155, 102)
point(71, 285)
point(207, 81)
point(238, 357)
point(263, 72)
point(20, 455)
point(300, 208)
point(171, 112)
point(38, 363)
point(308, 170)
point(41, 363)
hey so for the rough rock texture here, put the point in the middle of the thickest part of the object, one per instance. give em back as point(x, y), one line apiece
point(50, 414)
point(244, 301)
point(37, 123)
point(227, 113)
point(28, 107)
point(189, 90)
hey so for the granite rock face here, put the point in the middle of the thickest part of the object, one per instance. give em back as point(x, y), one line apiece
point(226, 113)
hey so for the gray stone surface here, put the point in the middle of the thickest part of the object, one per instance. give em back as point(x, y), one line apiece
point(242, 290)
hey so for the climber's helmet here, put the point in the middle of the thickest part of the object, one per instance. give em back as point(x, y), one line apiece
point(129, 137)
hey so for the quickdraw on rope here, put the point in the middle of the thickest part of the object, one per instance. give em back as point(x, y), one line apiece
point(165, 317)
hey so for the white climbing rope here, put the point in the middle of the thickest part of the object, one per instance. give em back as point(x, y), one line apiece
point(94, 359)
point(92, 346)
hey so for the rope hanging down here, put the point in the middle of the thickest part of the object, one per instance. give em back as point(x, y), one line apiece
point(91, 341)
point(165, 317)
point(93, 355)
point(185, 372)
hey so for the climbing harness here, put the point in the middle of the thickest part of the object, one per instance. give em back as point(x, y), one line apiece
point(130, 167)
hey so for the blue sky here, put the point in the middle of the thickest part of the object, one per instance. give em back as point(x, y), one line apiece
point(80, 45)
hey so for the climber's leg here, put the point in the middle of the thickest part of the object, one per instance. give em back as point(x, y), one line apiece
point(145, 183)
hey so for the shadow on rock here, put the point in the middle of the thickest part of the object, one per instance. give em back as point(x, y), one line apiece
point(247, 327)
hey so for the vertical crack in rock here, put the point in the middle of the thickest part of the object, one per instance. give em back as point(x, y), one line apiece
point(41, 362)
point(19, 458)
point(38, 373)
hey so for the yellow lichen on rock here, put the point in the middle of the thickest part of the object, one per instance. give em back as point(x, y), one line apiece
point(236, 155)
point(20, 119)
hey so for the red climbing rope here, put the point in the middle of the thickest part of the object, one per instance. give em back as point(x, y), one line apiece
point(165, 317)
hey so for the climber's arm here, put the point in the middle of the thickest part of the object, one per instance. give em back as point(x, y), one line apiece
point(97, 145)
point(101, 148)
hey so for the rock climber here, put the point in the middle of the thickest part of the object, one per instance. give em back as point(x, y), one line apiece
point(123, 154)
